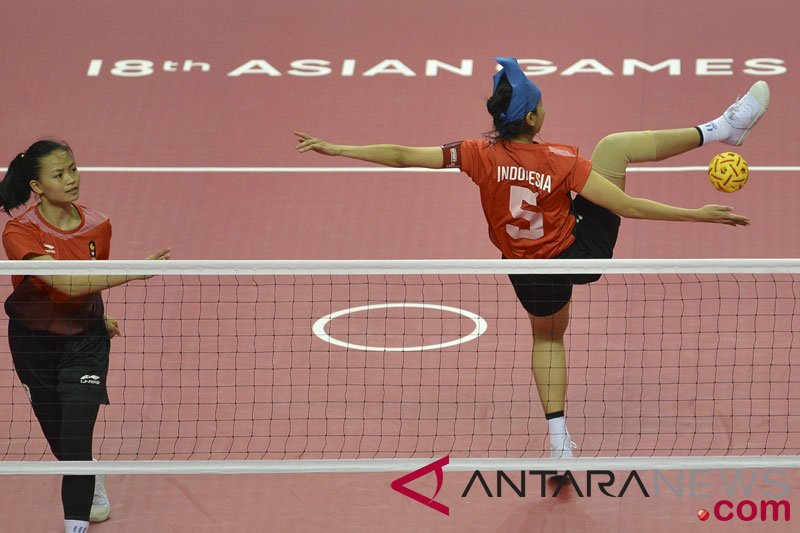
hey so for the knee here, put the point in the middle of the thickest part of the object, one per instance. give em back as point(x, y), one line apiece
point(615, 146)
point(548, 334)
point(79, 450)
point(551, 328)
point(611, 156)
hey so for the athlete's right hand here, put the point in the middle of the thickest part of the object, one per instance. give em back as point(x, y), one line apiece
point(307, 142)
point(161, 254)
point(722, 214)
point(112, 326)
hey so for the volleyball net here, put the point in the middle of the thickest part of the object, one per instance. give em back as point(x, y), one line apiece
point(260, 364)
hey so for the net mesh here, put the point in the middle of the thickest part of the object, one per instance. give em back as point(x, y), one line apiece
point(279, 361)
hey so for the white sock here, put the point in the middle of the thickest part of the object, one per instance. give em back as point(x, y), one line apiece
point(560, 441)
point(714, 131)
point(76, 526)
point(557, 427)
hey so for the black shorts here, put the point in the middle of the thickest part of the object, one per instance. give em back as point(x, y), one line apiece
point(595, 234)
point(71, 368)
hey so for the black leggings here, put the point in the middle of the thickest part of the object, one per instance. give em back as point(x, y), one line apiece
point(68, 428)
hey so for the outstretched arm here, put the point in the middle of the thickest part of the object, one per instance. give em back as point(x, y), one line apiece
point(390, 155)
point(77, 285)
point(602, 192)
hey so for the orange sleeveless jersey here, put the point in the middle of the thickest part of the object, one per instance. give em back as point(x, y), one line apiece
point(525, 192)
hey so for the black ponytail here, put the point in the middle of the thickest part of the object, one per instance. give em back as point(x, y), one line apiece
point(15, 189)
point(496, 105)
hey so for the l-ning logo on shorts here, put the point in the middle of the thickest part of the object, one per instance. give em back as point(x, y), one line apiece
point(90, 378)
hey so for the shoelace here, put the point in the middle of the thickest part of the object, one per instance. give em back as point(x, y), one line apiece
point(739, 108)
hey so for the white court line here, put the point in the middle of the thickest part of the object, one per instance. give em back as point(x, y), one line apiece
point(319, 327)
point(376, 169)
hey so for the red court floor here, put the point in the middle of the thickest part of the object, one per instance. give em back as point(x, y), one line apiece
point(180, 114)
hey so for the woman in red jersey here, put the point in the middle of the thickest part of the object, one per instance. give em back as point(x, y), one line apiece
point(543, 200)
point(58, 334)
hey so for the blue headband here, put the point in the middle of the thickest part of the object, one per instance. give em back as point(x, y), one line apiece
point(525, 95)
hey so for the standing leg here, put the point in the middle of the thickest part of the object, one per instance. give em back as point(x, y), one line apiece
point(549, 365)
point(68, 428)
point(86, 354)
point(77, 428)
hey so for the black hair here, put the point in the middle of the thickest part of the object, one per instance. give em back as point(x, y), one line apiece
point(15, 189)
point(496, 105)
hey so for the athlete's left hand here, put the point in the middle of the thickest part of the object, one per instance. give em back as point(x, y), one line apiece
point(722, 214)
point(112, 326)
point(308, 142)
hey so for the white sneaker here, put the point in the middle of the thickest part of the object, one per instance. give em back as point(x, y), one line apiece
point(101, 508)
point(562, 448)
point(746, 112)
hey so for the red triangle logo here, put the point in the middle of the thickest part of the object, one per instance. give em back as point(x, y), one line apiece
point(399, 484)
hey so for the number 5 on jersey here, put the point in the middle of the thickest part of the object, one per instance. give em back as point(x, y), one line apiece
point(535, 219)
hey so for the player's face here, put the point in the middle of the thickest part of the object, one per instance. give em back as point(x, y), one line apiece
point(59, 179)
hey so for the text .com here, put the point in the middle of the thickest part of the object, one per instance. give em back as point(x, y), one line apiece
point(748, 511)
